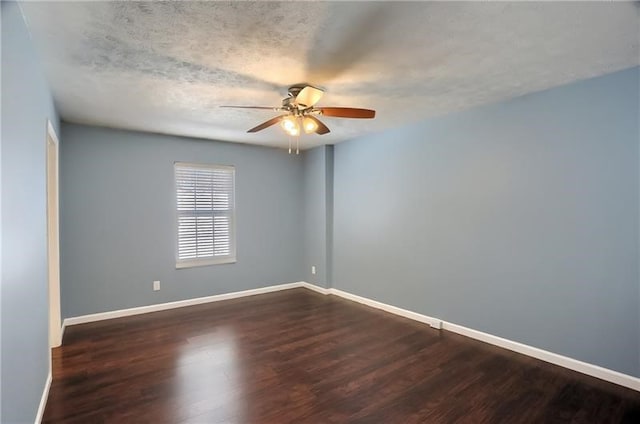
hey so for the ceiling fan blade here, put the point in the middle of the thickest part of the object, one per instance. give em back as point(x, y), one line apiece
point(322, 128)
point(253, 107)
point(309, 96)
point(347, 112)
point(266, 124)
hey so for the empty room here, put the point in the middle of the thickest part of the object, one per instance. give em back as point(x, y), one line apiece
point(320, 212)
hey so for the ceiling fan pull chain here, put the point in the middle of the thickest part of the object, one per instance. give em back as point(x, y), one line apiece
point(289, 137)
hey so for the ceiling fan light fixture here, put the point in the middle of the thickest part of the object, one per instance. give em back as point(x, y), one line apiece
point(290, 125)
point(295, 132)
point(309, 125)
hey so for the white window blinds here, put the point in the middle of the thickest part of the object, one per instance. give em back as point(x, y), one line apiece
point(206, 214)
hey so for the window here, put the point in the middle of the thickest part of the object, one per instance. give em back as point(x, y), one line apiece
point(206, 214)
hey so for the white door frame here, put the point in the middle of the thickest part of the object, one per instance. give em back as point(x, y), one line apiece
point(53, 236)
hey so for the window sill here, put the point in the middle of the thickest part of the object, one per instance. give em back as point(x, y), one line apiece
point(204, 262)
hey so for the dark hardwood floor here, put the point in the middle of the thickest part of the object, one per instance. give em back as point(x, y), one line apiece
point(300, 357)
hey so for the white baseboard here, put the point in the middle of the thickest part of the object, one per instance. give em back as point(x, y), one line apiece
point(43, 399)
point(315, 288)
point(178, 304)
point(434, 322)
point(606, 374)
point(553, 358)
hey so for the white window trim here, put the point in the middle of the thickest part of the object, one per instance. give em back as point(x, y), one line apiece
point(191, 263)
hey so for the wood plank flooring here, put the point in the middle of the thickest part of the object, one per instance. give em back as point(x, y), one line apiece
point(300, 357)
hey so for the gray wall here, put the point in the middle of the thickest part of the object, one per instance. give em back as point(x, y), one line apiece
point(519, 219)
point(118, 223)
point(317, 212)
point(26, 106)
point(329, 193)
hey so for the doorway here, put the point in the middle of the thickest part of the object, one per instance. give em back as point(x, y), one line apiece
point(53, 238)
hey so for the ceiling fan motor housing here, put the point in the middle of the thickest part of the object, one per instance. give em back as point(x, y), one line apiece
point(294, 90)
point(289, 103)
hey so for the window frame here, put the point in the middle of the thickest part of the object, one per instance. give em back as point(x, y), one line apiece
point(206, 261)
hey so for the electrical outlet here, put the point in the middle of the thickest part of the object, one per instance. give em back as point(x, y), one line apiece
point(313, 269)
point(156, 285)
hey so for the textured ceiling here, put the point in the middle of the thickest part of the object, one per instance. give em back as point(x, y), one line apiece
point(166, 67)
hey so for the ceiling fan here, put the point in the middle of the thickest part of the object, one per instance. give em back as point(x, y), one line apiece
point(300, 112)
